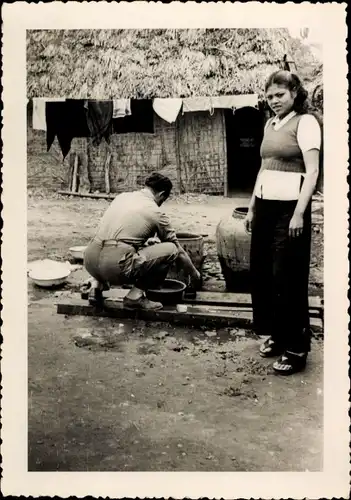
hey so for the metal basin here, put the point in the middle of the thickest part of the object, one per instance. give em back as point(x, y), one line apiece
point(171, 292)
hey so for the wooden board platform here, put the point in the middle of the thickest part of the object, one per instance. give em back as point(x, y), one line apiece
point(211, 316)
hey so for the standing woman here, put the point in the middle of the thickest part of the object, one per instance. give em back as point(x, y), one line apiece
point(279, 218)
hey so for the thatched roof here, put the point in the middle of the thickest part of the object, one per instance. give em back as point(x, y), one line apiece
point(152, 63)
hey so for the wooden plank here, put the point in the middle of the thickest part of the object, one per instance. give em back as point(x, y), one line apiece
point(230, 298)
point(195, 316)
point(218, 298)
point(89, 195)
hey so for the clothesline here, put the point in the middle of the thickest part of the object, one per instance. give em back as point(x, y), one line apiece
point(167, 108)
point(69, 118)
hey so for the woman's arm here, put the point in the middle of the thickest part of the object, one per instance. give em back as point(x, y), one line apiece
point(253, 197)
point(309, 139)
point(311, 160)
point(251, 209)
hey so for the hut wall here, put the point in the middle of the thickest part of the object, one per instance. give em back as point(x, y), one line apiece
point(203, 156)
point(201, 151)
point(133, 157)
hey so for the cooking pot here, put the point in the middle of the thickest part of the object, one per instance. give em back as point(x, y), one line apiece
point(171, 292)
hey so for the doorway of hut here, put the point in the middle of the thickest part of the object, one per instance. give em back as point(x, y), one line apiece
point(244, 133)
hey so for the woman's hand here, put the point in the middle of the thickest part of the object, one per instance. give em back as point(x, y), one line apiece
point(248, 221)
point(296, 226)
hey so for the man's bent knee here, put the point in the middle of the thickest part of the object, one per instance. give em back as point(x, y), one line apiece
point(172, 251)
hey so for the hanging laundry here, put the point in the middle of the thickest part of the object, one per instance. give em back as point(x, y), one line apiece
point(39, 106)
point(235, 101)
point(141, 119)
point(196, 104)
point(65, 120)
point(99, 120)
point(168, 109)
point(121, 108)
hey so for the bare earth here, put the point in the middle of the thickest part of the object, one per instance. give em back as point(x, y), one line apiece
point(155, 397)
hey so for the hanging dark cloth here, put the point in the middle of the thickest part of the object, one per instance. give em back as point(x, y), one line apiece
point(99, 120)
point(141, 119)
point(280, 274)
point(65, 120)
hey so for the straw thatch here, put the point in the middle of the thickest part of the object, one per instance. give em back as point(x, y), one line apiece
point(152, 63)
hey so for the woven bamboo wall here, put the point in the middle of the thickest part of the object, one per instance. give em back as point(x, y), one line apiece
point(133, 157)
point(203, 156)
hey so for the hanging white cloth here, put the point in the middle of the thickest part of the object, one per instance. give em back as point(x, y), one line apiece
point(235, 101)
point(39, 105)
point(121, 108)
point(191, 104)
point(168, 109)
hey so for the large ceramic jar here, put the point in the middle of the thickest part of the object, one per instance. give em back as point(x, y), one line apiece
point(233, 250)
point(193, 244)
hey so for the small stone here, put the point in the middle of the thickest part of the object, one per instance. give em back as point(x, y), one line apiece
point(180, 445)
point(180, 413)
point(183, 454)
point(209, 333)
point(240, 333)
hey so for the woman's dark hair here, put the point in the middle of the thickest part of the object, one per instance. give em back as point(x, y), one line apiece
point(158, 183)
point(293, 83)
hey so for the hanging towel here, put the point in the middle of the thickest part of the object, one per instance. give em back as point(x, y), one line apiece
point(99, 119)
point(39, 106)
point(141, 119)
point(196, 104)
point(168, 109)
point(65, 120)
point(121, 108)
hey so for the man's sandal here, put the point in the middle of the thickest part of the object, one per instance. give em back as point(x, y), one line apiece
point(289, 363)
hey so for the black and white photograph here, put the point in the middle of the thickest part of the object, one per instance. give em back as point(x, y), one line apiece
point(175, 278)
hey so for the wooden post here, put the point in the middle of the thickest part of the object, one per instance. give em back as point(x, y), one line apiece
point(75, 173)
point(107, 172)
point(225, 155)
point(178, 162)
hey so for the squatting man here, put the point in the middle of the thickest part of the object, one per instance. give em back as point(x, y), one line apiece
point(136, 245)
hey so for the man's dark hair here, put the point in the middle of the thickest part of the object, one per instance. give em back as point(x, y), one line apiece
point(158, 182)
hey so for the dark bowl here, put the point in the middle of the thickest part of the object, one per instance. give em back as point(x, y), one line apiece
point(171, 292)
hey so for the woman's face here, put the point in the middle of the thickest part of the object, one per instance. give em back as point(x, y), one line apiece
point(280, 99)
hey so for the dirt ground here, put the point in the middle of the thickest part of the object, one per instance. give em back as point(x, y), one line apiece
point(151, 396)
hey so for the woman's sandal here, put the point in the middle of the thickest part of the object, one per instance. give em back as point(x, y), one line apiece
point(269, 348)
point(289, 363)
